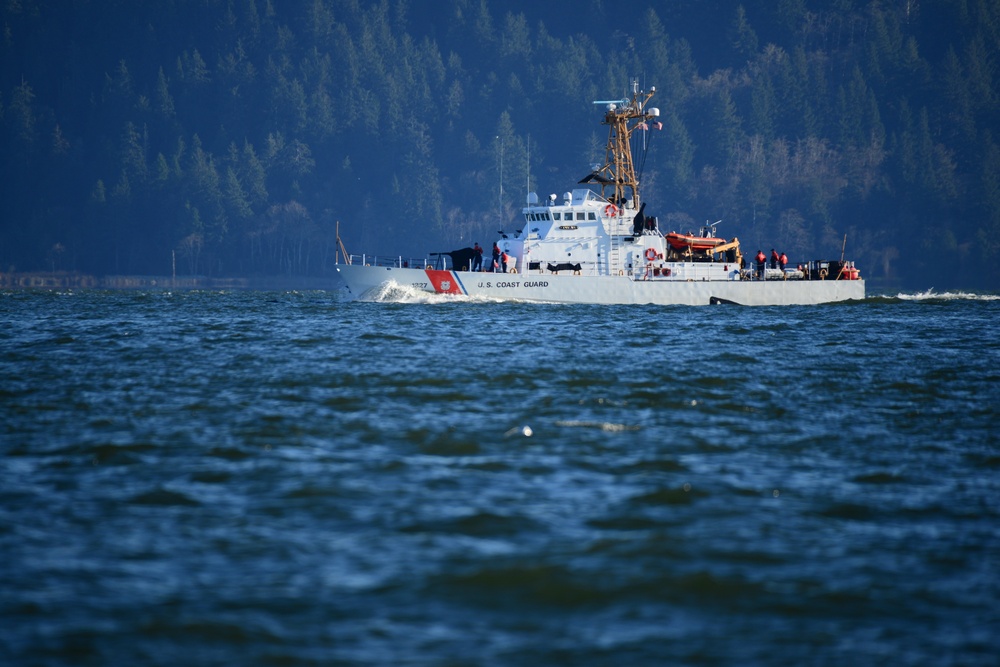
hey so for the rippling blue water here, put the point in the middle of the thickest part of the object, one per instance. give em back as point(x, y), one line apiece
point(289, 478)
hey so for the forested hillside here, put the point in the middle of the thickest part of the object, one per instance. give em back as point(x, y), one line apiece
point(233, 134)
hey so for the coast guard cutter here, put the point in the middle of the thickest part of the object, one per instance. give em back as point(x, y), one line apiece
point(596, 244)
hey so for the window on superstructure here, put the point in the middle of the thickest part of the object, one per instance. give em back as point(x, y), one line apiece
point(591, 216)
point(555, 216)
point(580, 215)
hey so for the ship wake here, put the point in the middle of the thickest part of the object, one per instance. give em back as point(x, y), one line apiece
point(931, 295)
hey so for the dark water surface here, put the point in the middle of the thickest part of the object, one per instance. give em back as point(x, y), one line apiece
point(274, 478)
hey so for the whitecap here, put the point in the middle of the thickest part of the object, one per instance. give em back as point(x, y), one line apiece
point(947, 296)
point(604, 426)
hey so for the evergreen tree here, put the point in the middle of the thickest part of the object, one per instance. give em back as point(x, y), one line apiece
point(164, 100)
point(742, 36)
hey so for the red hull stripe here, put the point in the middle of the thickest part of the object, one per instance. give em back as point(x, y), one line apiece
point(445, 282)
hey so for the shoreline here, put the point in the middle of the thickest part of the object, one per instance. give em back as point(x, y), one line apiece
point(71, 280)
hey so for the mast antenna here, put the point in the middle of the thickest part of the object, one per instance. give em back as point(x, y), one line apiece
point(617, 176)
point(527, 168)
point(500, 195)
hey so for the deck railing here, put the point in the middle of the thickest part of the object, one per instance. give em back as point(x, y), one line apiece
point(396, 261)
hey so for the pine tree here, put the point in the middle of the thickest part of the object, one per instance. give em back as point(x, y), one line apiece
point(742, 37)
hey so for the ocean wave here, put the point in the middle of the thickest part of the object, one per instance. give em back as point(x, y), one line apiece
point(603, 426)
point(393, 292)
point(931, 295)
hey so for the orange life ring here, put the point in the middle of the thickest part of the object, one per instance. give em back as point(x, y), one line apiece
point(650, 254)
point(610, 211)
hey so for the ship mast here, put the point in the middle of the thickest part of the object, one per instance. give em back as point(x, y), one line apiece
point(617, 177)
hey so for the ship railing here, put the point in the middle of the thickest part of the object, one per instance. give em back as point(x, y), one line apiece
point(394, 261)
point(811, 270)
point(688, 271)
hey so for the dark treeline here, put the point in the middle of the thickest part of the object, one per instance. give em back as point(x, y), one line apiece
point(232, 135)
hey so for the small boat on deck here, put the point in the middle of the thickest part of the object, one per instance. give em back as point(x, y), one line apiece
point(694, 243)
point(596, 244)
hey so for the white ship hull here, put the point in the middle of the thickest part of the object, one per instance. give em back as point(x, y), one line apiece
point(369, 281)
